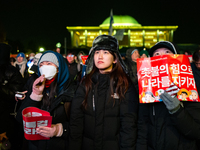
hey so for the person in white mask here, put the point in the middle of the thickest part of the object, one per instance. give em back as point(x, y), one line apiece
point(52, 91)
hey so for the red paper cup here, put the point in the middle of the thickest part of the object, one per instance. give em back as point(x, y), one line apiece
point(33, 118)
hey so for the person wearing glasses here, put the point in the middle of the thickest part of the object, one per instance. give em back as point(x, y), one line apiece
point(72, 65)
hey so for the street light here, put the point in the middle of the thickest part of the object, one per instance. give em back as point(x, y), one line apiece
point(41, 49)
point(58, 45)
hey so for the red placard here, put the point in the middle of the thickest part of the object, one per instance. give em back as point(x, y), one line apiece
point(156, 74)
point(33, 118)
point(84, 58)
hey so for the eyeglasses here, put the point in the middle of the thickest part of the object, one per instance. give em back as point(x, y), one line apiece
point(70, 55)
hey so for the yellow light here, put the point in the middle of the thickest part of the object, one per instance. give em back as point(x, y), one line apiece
point(77, 33)
point(154, 40)
point(133, 36)
point(137, 40)
point(150, 33)
point(149, 37)
point(82, 37)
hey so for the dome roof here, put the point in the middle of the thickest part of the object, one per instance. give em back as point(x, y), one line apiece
point(121, 21)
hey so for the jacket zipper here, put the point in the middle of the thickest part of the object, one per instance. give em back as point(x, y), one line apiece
point(93, 102)
point(153, 110)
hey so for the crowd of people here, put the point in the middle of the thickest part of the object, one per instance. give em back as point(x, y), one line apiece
point(97, 111)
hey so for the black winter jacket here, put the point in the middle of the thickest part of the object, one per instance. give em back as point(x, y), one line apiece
point(58, 114)
point(159, 130)
point(11, 81)
point(73, 69)
point(102, 126)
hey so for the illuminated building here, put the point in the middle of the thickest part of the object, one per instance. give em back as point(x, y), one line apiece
point(135, 35)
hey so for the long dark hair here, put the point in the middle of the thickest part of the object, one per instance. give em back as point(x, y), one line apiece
point(119, 81)
point(47, 99)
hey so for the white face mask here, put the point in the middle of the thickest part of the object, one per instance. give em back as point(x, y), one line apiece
point(31, 57)
point(48, 70)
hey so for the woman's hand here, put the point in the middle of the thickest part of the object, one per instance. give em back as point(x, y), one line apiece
point(48, 131)
point(23, 97)
point(38, 85)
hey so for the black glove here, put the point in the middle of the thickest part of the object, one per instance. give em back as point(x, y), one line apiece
point(172, 104)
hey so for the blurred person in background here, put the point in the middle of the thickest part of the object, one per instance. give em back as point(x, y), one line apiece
point(31, 56)
point(21, 65)
point(79, 60)
point(187, 52)
point(72, 65)
point(11, 81)
point(132, 54)
point(144, 54)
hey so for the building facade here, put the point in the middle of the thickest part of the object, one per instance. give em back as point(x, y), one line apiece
point(134, 34)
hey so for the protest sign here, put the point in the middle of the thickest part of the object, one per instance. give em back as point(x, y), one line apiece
point(84, 58)
point(33, 118)
point(159, 73)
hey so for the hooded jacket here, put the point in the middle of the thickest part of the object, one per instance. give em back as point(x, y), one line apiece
point(65, 91)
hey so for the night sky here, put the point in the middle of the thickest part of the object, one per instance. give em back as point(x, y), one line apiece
point(37, 23)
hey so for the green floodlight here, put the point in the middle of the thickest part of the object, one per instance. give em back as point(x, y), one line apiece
point(41, 49)
point(58, 45)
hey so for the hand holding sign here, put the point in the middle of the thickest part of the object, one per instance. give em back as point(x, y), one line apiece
point(172, 104)
point(48, 131)
point(34, 118)
point(170, 73)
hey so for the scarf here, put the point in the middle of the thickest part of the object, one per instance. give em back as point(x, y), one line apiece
point(23, 66)
point(48, 82)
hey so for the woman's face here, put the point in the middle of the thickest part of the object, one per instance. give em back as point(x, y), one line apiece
point(162, 51)
point(103, 60)
point(48, 69)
